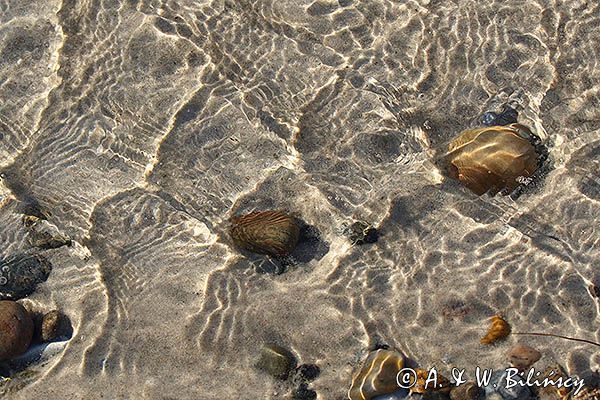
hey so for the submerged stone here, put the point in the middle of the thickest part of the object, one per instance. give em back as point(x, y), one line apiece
point(498, 386)
point(277, 361)
point(20, 274)
point(273, 233)
point(506, 117)
point(467, 391)
point(43, 234)
point(361, 232)
point(55, 326)
point(493, 159)
point(377, 375)
point(522, 357)
point(16, 329)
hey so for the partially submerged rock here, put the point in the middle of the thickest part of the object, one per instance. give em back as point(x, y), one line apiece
point(16, 329)
point(273, 233)
point(21, 273)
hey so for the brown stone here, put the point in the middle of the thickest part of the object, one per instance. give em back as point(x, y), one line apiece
point(16, 329)
point(492, 159)
point(273, 233)
point(377, 375)
point(522, 357)
point(467, 391)
point(54, 326)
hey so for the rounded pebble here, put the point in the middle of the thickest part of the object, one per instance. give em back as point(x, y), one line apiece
point(273, 233)
point(492, 159)
point(16, 327)
point(523, 357)
point(54, 326)
point(277, 361)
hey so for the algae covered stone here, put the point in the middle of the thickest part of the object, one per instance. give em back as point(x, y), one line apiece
point(21, 273)
point(273, 233)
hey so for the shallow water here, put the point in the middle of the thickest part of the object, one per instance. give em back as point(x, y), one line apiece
point(142, 126)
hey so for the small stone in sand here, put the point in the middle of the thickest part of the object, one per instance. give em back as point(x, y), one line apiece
point(54, 326)
point(361, 233)
point(493, 159)
point(377, 375)
point(43, 234)
point(273, 233)
point(467, 391)
point(16, 328)
point(276, 361)
point(523, 357)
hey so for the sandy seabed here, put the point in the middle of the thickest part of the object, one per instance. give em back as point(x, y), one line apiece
point(141, 127)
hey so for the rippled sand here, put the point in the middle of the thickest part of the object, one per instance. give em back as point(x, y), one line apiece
point(142, 126)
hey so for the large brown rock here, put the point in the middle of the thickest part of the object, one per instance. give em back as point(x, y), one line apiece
point(492, 159)
point(16, 329)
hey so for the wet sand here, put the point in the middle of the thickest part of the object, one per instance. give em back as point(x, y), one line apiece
point(141, 127)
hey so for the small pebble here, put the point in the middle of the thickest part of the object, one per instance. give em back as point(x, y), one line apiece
point(361, 232)
point(467, 391)
point(54, 326)
point(273, 233)
point(16, 329)
point(276, 361)
point(522, 357)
